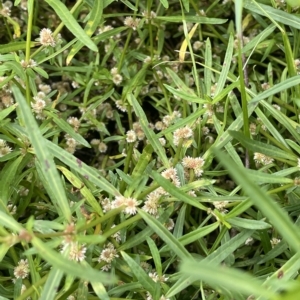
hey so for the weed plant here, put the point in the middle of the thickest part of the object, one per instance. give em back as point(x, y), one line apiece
point(149, 149)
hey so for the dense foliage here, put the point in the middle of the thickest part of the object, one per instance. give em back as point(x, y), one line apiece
point(149, 149)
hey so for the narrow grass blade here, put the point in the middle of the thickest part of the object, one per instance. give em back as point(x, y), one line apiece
point(284, 120)
point(261, 177)
point(9, 222)
point(86, 193)
point(265, 120)
point(139, 273)
point(16, 46)
point(277, 217)
point(7, 178)
point(79, 166)
point(53, 281)
point(64, 126)
point(165, 235)
point(193, 235)
point(91, 26)
point(284, 85)
point(85, 272)
point(259, 38)
point(177, 193)
point(248, 224)
point(193, 19)
point(140, 237)
point(100, 290)
point(44, 156)
point(226, 67)
point(229, 247)
point(207, 69)
point(222, 277)
point(70, 22)
point(270, 12)
point(155, 256)
point(257, 146)
point(153, 139)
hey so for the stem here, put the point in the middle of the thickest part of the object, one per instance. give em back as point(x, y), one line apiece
point(124, 50)
point(28, 49)
point(243, 84)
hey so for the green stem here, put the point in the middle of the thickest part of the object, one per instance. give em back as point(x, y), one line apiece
point(124, 224)
point(33, 288)
point(28, 49)
point(124, 50)
point(281, 188)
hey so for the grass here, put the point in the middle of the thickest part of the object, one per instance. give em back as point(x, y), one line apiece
point(149, 150)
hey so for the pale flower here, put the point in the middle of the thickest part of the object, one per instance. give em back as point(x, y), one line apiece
point(262, 159)
point(131, 136)
point(46, 37)
point(182, 134)
point(108, 254)
point(22, 269)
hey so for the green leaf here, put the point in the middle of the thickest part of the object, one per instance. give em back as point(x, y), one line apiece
point(10, 222)
point(284, 120)
point(261, 177)
point(91, 26)
point(7, 177)
point(186, 95)
point(155, 256)
point(83, 271)
point(248, 224)
point(176, 192)
point(17, 68)
point(86, 193)
point(71, 23)
point(225, 67)
point(270, 12)
point(259, 38)
point(165, 3)
point(54, 186)
point(153, 139)
point(140, 237)
point(50, 289)
point(100, 290)
point(139, 273)
point(79, 166)
point(165, 235)
point(263, 201)
point(193, 19)
point(257, 146)
point(193, 235)
point(16, 46)
point(231, 279)
point(215, 257)
point(64, 126)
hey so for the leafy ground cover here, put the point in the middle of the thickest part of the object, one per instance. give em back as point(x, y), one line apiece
point(149, 149)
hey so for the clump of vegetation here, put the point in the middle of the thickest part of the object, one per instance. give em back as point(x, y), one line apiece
point(149, 149)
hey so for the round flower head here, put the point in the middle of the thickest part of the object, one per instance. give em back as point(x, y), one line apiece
point(46, 37)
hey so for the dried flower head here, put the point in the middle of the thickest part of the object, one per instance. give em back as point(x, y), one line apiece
point(131, 136)
point(4, 149)
point(171, 174)
point(131, 22)
point(130, 204)
point(183, 134)
point(108, 254)
point(76, 251)
point(38, 105)
point(22, 269)
point(262, 159)
point(46, 38)
point(196, 164)
point(151, 204)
